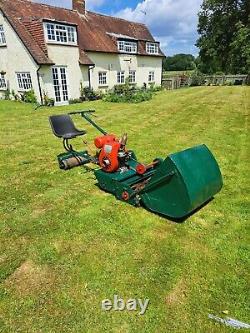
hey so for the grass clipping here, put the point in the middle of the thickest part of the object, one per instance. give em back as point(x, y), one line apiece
point(30, 278)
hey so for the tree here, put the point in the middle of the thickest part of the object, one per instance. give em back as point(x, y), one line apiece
point(179, 62)
point(223, 24)
point(239, 60)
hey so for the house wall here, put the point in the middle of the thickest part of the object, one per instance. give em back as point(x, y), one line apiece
point(113, 63)
point(64, 56)
point(15, 58)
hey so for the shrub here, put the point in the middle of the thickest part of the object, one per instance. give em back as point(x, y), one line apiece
point(121, 89)
point(154, 87)
point(113, 97)
point(228, 83)
point(75, 101)
point(88, 94)
point(142, 96)
point(197, 79)
point(125, 94)
point(29, 97)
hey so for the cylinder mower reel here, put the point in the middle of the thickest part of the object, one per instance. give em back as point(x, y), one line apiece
point(173, 187)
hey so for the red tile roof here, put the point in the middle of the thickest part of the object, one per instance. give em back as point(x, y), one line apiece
point(93, 29)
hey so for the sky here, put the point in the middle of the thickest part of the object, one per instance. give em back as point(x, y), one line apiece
point(172, 22)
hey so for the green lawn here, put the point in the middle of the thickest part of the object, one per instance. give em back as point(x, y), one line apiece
point(65, 245)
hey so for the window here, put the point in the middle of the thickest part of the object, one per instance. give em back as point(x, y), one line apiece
point(152, 48)
point(102, 78)
point(64, 84)
point(60, 84)
point(151, 76)
point(3, 84)
point(24, 81)
point(51, 32)
point(71, 34)
point(59, 33)
point(2, 36)
point(120, 77)
point(132, 76)
point(56, 83)
point(125, 46)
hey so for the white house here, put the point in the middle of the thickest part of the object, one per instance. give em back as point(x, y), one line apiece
point(55, 51)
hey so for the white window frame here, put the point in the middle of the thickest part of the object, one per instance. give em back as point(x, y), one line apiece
point(121, 77)
point(24, 81)
point(132, 76)
point(102, 79)
point(57, 33)
point(151, 76)
point(152, 48)
point(2, 36)
point(127, 46)
point(61, 85)
point(3, 83)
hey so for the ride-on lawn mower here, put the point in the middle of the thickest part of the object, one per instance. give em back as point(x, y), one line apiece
point(174, 187)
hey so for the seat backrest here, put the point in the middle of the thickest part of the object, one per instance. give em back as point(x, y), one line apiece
point(62, 125)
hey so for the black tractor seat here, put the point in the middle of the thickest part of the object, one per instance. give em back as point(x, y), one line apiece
point(63, 127)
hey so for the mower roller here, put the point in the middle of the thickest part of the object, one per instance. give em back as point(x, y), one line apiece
point(174, 187)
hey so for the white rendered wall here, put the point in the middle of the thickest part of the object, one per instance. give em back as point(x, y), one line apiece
point(113, 63)
point(15, 58)
point(65, 56)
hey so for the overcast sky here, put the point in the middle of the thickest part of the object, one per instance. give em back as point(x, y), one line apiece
point(172, 22)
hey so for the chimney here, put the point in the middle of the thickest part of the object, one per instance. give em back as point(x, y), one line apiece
point(79, 5)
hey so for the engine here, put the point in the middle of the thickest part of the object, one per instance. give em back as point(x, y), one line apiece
point(113, 154)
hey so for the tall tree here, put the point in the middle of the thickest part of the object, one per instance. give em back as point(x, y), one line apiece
point(223, 26)
point(179, 62)
point(239, 59)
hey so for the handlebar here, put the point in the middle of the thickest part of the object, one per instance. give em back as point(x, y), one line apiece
point(82, 112)
point(85, 115)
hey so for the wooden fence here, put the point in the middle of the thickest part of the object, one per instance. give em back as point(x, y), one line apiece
point(223, 79)
point(177, 82)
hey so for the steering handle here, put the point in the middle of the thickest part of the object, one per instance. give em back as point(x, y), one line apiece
point(85, 115)
point(82, 112)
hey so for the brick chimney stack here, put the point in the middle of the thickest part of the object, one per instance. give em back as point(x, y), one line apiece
point(79, 5)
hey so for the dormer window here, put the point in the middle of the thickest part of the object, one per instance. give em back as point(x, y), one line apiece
point(61, 34)
point(127, 46)
point(152, 48)
point(2, 36)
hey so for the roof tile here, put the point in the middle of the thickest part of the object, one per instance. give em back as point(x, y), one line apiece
point(94, 29)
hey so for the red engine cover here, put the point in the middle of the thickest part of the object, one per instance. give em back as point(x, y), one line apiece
point(108, 158)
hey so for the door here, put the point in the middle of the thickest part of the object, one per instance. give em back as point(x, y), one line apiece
point(60, 83)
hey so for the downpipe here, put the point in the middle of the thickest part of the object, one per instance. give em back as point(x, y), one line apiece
point(39, 84)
